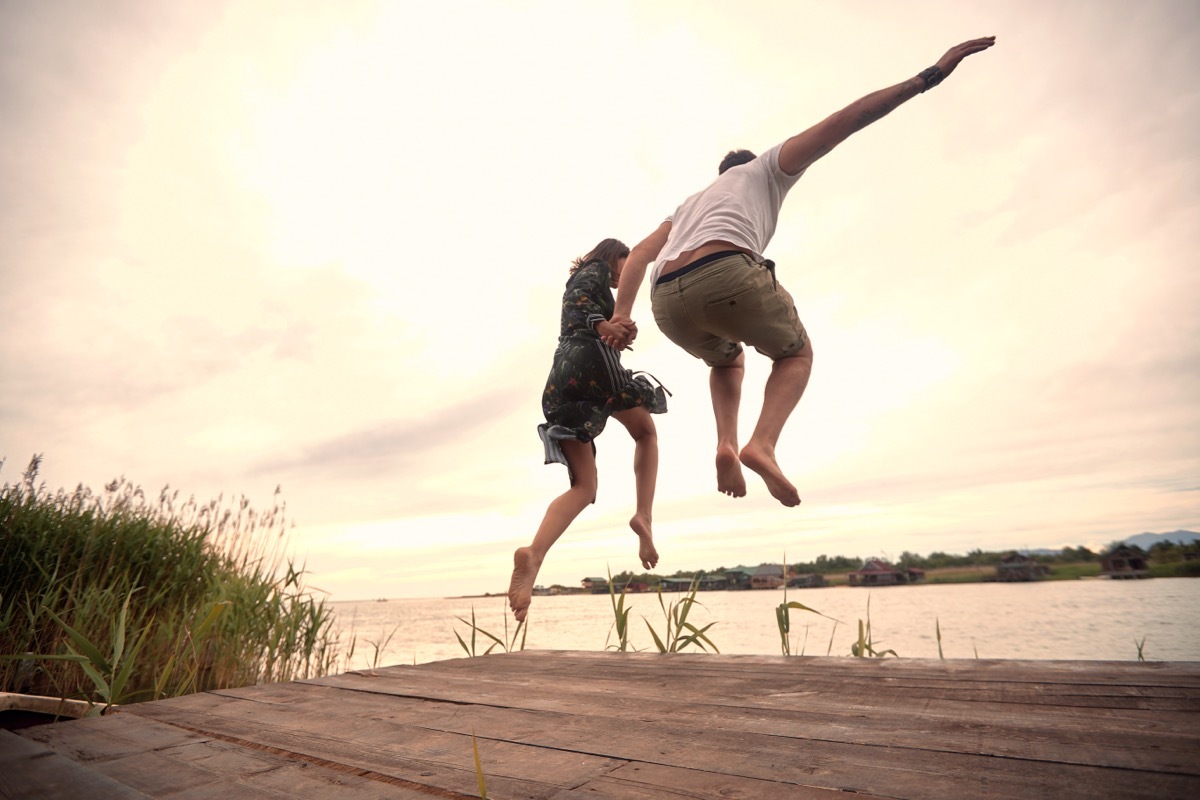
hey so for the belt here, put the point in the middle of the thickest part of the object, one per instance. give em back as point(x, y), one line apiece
point(710, 258)
point(697, 264)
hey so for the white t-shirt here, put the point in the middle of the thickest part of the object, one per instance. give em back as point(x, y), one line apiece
point(741, 207)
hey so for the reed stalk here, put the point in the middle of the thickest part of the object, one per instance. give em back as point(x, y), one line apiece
point(865, 646)
point(506, 643)
point(620, 617)
point(678, 633)
point(783, 618)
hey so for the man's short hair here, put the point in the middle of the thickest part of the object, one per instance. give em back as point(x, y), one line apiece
point(735, 158)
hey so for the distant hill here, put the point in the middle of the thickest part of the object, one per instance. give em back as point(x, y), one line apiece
point(1147, 540)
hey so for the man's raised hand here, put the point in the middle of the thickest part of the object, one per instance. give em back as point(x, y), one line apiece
point(955, 54)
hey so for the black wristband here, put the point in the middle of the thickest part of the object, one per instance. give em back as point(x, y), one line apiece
point(932, 77)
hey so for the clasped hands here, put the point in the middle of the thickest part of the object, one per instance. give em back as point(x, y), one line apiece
point(618, 332)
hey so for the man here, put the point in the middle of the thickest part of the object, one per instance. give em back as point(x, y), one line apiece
point(713, 289)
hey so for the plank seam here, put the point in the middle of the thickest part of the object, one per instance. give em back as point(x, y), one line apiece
point(378, 777)
point(1019, 759)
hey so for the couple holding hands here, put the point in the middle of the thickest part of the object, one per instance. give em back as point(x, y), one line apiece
point(712, 291)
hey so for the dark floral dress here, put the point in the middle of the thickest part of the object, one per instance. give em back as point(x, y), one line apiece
point(587, 383)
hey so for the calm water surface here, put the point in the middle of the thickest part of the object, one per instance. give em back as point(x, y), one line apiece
point(1084, 619)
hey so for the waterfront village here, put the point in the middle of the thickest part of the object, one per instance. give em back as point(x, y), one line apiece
point(1121, 561)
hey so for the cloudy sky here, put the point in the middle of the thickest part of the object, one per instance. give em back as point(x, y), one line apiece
point(321, 246)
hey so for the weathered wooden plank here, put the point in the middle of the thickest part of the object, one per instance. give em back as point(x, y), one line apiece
point(748, 690)
point(1135, 673)
point(654, 781)
point(31, 770)
point(106, 738)
point(160, 760)
point(687, 743)
point(429, 757)
point(1008, 735)
point(229, 771)
point(633, 726)
point(889, 717)
point(639, 670)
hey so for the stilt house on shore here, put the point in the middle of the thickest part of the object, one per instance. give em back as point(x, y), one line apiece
point(1125, 561)
point(1016, 567)
point(877, 572)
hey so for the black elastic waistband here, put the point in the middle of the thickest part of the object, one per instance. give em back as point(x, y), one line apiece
point(697, 264)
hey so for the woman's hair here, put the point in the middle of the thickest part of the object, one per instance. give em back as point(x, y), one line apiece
point(610, 251)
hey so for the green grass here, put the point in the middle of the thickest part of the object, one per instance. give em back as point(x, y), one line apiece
point(120, 597)
point(1175, 569)
point(1066, 572)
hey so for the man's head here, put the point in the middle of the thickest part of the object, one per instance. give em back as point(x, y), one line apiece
point(734, 158)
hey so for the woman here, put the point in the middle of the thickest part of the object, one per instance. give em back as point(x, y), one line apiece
point(586, 386)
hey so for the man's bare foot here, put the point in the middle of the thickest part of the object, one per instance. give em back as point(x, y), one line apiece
point(646, 551)
point(762, 461)
point(730, 480)
point(520, 588)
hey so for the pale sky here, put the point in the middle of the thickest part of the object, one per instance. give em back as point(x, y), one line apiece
point(321, 245)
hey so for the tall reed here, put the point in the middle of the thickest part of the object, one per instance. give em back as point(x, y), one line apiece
point(205, 590)
point(678, 633)
point(505, 642)
point(783, 619)
point(620, 617)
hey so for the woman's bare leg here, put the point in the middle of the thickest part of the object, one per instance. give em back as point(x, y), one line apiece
point(559, 515)
point(640, 425)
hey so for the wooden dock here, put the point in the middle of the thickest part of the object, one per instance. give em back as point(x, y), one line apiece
point(572, 725)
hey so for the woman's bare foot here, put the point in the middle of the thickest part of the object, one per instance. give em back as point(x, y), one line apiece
point(762, 461)
point(646, 551)
point(520, 588)
point(730, 480)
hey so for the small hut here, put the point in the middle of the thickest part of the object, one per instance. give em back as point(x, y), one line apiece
point(768, 576)
point(595, 585)
point(1125, 561)
point(877, 572)
point(738, 577)
point(808, 580)
point(1016, 567)
point(683, 584)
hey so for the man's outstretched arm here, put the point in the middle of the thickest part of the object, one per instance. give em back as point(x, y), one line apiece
point(800, 151)
point(640, 257)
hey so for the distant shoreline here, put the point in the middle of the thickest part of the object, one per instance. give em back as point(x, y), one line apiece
point(834, 583)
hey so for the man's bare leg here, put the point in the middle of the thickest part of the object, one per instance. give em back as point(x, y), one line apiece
point(725, 385)
point(789, 377)
point(640, 425)
point(559, 515)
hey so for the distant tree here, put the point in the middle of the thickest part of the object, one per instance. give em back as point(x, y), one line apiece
point(1114, 545)
point(1076, 554)
point(1166, 552)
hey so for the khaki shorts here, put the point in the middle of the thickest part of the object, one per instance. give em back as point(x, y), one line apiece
point(711, 311)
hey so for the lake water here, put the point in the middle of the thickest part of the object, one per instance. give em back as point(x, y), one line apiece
point(1083, 619)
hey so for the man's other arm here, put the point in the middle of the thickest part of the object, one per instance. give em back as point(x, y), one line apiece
point(800, 151)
